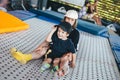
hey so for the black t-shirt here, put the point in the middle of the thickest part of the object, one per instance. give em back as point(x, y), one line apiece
point(60, 47)
point(74, 36)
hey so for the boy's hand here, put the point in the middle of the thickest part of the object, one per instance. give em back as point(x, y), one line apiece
point(54, 28)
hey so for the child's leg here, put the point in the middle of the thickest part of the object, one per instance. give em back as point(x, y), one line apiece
point(36, 54)
point(39, 53)
point(63, 60)
point(56, 61)
point(24, 58)
point(69, 56)
point(71, 59)
point(56, 64)
point(64, 67)
point(45, 64)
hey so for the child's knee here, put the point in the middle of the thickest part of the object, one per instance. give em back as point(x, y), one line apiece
point(35, 55)
point(56, 60)
point(48, 60)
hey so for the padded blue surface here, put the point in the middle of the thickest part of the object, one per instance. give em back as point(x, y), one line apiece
point(48, 19)
point(92, 28)
point(117, 56)
point(82, 25)
point(115, 44)
point(23, 15)
point(50, 14)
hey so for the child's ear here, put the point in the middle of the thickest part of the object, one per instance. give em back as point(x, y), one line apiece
point(67, 34)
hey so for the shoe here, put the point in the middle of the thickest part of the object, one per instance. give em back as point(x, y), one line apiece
point(19, 56)
point(54, 69)
point(44, 67)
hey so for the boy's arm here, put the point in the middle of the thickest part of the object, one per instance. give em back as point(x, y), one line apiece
point(49, 37)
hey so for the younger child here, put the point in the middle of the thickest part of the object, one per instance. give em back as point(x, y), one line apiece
point(83, 10)
point(59, 45)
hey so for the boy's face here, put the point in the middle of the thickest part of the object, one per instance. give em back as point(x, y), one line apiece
point(70, 20)
point(62, 34)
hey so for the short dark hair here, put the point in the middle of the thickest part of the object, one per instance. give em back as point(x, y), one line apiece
point(86, 2)
point(65, 26)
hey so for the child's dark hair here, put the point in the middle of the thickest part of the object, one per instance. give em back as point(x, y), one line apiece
point(65, 26)
point(86, 2)
point(74, 25)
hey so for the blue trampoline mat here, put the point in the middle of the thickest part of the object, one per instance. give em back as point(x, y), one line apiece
point(48, 19)
point(23, 15)
point(117, 56)
point(82, 25)
point(115, 42)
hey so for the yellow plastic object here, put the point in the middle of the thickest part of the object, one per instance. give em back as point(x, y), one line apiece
point(9, 23)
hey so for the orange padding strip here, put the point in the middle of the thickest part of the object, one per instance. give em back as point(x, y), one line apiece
point(10, 23)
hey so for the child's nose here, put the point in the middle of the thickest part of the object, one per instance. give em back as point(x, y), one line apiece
point(60, 33)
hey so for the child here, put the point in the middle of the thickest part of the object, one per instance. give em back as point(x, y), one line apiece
point(83, 10)
point(92, 12)
point(59, 44)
